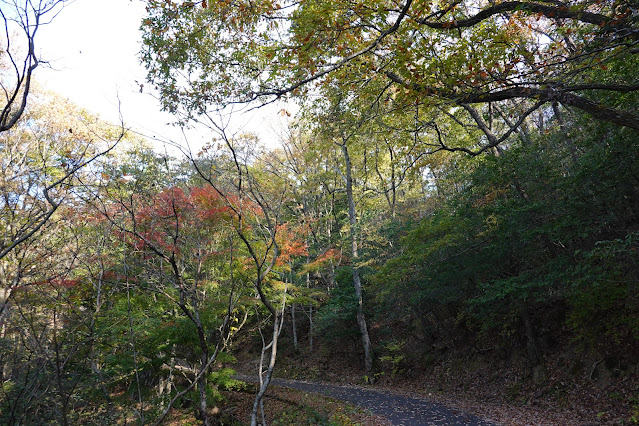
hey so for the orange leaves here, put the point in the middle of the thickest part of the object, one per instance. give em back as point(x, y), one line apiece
point(331, 256)
point(291, 249)
point(173, 219)
point(209, 204)
point(291, 240)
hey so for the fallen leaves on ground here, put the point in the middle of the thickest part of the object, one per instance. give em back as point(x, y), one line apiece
point(291, 407)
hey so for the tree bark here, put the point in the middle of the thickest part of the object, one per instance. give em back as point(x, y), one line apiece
point(310, 328)
point(269, 372)
point(532, 347)
point(361, 319)
point(550, 11)
point(294, 324)
point(564, 95)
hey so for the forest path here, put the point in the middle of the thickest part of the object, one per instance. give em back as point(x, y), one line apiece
point(396, 408)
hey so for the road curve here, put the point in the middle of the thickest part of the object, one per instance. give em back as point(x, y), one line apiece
point(398, 409)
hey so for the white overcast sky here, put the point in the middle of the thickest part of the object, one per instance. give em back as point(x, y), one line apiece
point(92, 47)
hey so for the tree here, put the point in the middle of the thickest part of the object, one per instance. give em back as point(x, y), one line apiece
point(254, 195)
point(44, 331)
point(41, 184)
point(177, 238)
point(343, 128)
point(516, 55)
point(40, 158)
point(17, 63)
point(41, 155)
point(309, 166)
point(523, 241)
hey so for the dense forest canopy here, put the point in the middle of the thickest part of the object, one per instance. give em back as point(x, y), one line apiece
point(460, 52)
point(455, 201)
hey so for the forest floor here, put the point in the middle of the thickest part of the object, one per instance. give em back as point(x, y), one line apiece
point(285, 406)
point(504, 397)
point(386, 406)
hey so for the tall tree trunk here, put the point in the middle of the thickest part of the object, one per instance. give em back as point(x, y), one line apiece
point(294, 324)
point(532, 347)
point(310, 328)
point(393, 182)
point(293, 320)
point(269, 372)
point(204, 347)
point(564, 129)
point(62, 395)
point(201, 384)
point(361, 319)
point(132, 341)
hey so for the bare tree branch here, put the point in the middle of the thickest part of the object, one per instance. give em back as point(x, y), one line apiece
point(553, 12)
point(29, 18)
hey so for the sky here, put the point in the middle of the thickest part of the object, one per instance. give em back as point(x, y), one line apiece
point(92, 47)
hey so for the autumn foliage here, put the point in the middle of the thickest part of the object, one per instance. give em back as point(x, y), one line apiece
point(169, 220)
point(291, 240)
